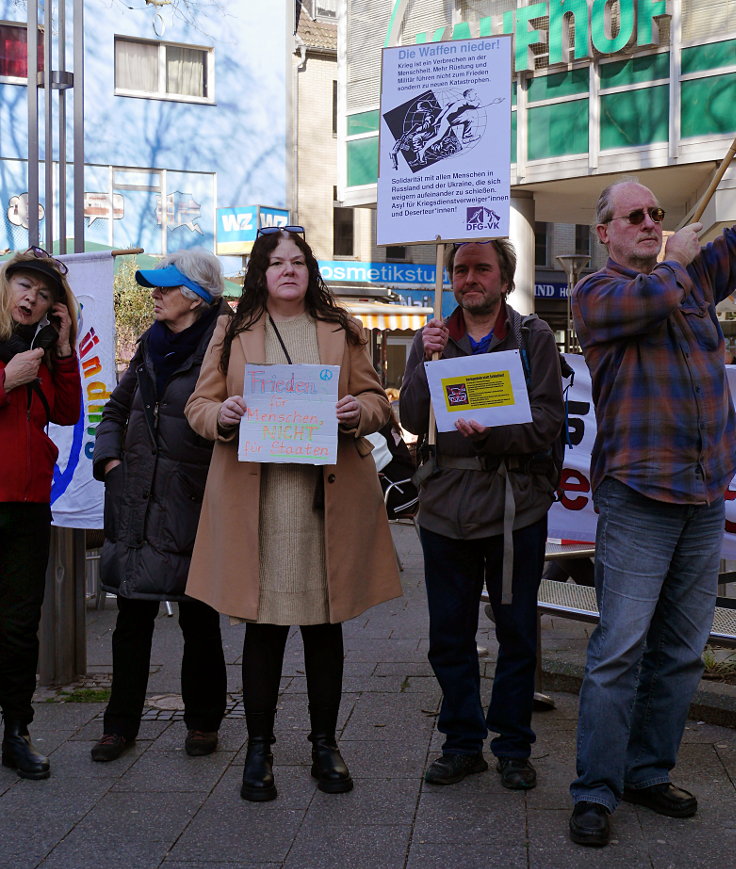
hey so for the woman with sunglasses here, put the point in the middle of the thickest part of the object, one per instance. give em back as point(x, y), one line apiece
point(39, 384)
point(291, 544)
point(154, 467)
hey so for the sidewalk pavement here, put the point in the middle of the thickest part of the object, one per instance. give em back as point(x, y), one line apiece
point(155, 806)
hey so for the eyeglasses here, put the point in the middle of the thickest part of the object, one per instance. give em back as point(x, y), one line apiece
point(40, 253)
point(637, 216)
point(270, 230)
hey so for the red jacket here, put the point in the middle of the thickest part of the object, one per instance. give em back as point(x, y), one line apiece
point(27, 453)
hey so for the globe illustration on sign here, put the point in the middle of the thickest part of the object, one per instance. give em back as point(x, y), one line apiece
point(436, 125)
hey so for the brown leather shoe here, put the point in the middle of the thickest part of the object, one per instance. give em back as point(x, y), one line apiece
point(110, 747)
point(200, 742)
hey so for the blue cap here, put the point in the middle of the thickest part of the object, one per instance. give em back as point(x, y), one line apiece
point(170, 276)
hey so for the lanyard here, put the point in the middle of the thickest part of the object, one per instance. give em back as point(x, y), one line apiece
point(281, 340)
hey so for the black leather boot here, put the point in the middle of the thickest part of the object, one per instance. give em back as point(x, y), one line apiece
point(20, 754)
point(328, 766)
point(258, 784)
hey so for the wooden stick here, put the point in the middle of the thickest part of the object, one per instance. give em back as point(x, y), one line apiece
point(715, 181)
point(439, 266)
point(126, 251)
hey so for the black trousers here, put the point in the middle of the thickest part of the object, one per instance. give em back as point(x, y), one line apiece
point(25, 532)
point(203, 675)
point(263, 658)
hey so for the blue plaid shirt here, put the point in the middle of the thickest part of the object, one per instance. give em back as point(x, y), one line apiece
point(654, 348)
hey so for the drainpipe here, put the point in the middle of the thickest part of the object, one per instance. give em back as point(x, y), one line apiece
point(301, 52)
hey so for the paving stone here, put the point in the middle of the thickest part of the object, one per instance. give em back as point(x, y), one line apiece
point(321, 846)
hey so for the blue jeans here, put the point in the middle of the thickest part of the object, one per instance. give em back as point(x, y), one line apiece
point(656, 575)
point(455, 572)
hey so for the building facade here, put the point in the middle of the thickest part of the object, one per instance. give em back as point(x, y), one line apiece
point(598, 89)
point(185, 112)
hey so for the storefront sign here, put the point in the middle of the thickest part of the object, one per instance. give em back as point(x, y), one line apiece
point(238, 226)
point(637, 24)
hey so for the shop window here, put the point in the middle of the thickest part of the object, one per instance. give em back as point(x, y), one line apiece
point(13, 53)
point(343, 229)
point(163, 71)
point(558, 129)
point(635, 117)
point(582, 239)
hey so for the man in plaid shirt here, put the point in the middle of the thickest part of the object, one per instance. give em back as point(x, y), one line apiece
point(663, 457)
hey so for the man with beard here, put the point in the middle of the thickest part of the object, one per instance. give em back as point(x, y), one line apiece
point(483, 519)
point(662, 459)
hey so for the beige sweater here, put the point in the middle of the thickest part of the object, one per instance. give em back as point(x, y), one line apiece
point(293, 580)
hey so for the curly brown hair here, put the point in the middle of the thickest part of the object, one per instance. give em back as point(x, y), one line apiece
point(319, 301)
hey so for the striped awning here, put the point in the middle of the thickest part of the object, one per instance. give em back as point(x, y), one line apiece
point(379, 315)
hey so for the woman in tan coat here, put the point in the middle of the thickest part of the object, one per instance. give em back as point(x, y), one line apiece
point(285, 544)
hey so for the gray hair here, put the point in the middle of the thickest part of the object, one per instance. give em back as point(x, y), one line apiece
point(604, 209)
point(202, 267)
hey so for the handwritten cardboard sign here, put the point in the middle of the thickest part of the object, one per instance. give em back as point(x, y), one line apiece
point(489, 388)
point(291, 414)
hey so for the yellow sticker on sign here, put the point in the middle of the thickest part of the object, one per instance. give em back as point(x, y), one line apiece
point(473, 391)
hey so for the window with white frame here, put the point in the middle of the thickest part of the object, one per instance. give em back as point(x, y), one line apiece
point(161, 70)
point(14, 52)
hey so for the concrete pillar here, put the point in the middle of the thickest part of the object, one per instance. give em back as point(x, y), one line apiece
point(521, 234)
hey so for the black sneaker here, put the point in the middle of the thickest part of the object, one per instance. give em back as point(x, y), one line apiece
point(452, 768)
point(516, 774)
point(110, 747)
point(200, 742)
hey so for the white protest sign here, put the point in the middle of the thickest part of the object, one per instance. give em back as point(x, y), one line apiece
point(290, 414)
point(445, 138)
point(489, 388)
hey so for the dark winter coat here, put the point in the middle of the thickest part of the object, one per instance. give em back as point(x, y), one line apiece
point(153, 499)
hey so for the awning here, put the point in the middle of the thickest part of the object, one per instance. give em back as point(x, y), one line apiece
point(378, 315)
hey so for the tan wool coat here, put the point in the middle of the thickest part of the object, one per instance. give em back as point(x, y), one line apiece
point(360, 561)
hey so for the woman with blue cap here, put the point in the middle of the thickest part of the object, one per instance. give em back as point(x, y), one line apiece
point(154, 468)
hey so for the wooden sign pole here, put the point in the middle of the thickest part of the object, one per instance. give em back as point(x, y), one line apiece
point(439, 266)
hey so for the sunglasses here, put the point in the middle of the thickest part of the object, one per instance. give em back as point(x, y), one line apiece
point(457, 244)
point(637, 216)
point(40, 253)
point(270, 230)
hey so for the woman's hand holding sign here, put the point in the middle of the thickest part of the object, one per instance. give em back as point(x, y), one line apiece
point(348, 411)
point(231, 410)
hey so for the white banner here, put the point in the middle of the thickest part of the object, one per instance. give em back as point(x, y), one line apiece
point(445, 141)
point(76, 497)
point(573, 518)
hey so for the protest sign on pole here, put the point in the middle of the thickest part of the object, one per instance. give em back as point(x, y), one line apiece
point(445, 134)
point(76, 497)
